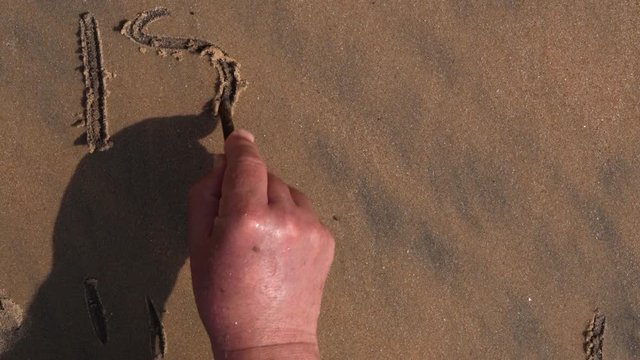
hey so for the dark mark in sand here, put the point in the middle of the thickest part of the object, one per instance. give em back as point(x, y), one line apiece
point(158, 337)
point(228, 84)
point(438, 255)
point(95, 92)
point(594, 337)
point(96, 310)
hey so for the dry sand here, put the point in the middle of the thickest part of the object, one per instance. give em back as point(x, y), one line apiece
point(478, 163)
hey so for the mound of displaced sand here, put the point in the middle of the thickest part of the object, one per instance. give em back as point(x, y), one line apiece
point(11, 321)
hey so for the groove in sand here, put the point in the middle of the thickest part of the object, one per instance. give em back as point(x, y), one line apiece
point(157, 335)
point(228, 84)
point(594, 336)
point(95, 93)
point(96, 310)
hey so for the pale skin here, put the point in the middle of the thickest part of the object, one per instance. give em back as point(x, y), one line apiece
point(259, 259)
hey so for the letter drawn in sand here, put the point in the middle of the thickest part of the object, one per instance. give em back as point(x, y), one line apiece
point(95, 92)
point(594, 337)
point(157, 335)
point(95, 308)
point(228, 84)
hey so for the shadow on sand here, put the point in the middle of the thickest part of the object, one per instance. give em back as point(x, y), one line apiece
point(121, 221)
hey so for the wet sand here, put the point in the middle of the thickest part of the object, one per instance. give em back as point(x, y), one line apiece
point(478, 165)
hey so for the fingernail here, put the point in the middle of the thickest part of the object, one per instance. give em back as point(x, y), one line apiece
point(218, 160)
point(245, 134)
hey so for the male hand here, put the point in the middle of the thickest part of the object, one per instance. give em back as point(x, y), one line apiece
point(259, 258)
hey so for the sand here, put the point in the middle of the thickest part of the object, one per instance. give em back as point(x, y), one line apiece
point(12, 326)
point(477, 162)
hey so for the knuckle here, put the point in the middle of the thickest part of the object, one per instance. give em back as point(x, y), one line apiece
point(302, 195)
point(246, 221)
point(291, 225)
point(331, 241)
point(250, 161)
point(324, 235)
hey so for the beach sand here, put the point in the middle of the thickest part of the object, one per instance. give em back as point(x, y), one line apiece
point(478, 165)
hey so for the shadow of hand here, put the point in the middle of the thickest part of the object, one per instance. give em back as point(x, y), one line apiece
point(122, 221)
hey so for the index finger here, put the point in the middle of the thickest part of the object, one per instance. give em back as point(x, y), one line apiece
point(244, 186)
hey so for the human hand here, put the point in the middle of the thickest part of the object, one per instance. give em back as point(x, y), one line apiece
point(259, 258)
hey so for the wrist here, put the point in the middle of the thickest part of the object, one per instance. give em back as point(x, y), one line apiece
point(298, 351)
point(252, 335)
